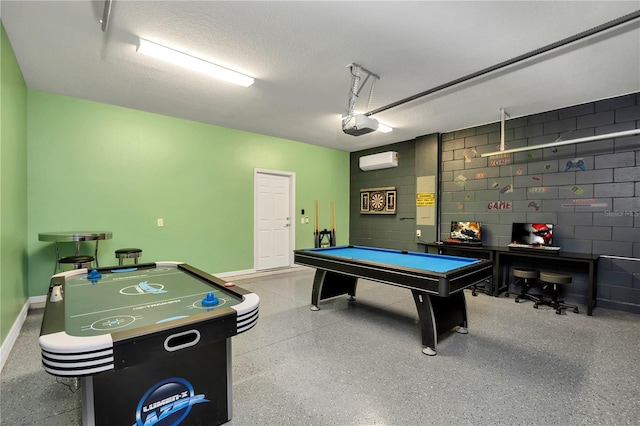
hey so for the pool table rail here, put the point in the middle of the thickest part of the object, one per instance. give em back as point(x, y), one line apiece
point(437, 283)
point(438, 296)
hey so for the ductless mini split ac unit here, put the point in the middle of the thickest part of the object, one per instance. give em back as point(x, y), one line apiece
point(383, 160)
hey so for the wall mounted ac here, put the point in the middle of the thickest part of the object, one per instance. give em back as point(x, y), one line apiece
point(383, 160)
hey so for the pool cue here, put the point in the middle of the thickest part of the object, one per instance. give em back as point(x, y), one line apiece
point(332, 237)
point(316, 232)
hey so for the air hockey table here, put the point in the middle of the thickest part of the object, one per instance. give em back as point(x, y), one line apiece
point(436, 281)
point(151, 343)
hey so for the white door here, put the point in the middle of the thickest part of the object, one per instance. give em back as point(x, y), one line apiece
point(273, 219)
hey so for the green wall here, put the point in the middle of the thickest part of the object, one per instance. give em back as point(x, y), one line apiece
point(13, 188)
point(93, 166)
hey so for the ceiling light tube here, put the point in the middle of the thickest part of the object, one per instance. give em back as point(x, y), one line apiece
point(562, 143)
point(185, 60)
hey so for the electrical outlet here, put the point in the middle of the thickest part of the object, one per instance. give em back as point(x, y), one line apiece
point(160, 221)
point(418, 233)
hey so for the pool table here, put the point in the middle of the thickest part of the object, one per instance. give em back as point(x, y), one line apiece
point(436, 281)
point(150, 342)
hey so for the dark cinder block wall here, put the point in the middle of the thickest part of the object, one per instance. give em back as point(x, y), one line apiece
point(386, 231)
point(590, 191)
point(418, 157)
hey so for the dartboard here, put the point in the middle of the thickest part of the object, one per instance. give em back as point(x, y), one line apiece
point(377, 201)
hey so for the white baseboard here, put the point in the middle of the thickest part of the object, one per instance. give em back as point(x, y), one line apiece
point(235, 273)
point(252, 273)
point(11, 338)
point(37, 302)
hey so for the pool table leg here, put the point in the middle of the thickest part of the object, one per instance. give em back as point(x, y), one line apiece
point(437, 315)
point(328, 284)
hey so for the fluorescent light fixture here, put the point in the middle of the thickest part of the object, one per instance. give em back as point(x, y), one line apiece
point(185, 60)
point(621, 134)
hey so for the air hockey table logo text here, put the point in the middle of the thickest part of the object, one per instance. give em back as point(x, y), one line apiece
point(167, 403)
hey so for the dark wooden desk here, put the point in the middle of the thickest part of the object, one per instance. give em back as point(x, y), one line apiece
point(502, 258)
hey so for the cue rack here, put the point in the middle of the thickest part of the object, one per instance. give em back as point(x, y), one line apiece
point(320, 236)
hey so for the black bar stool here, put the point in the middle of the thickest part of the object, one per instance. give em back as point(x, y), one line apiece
point(555, 278)
point(128, 253)
point(527, 278)
point(78, 262)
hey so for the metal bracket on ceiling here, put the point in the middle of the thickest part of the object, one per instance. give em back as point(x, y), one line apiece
point(105, 15)
point(357, 86)
point(503, 115)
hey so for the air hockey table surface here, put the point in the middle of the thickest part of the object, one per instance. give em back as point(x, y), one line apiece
point(140, 330)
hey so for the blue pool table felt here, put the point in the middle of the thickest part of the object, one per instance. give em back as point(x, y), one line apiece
point(423, 261)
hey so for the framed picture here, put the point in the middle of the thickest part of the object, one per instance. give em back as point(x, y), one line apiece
point(364, 202)
point(391, 201)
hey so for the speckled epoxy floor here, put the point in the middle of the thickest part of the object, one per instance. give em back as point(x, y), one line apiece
point(361, 364)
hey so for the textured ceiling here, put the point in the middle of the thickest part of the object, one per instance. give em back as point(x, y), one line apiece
point(299, 51)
